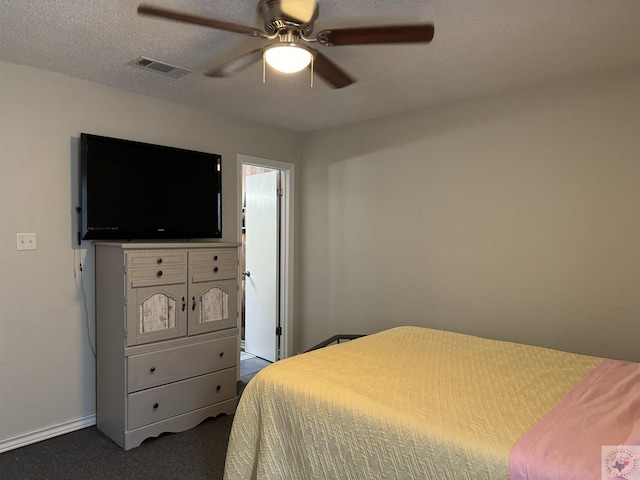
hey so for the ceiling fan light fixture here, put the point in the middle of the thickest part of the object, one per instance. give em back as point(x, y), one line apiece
point(288, 58)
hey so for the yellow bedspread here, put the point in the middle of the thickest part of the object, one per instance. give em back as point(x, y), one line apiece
point(407, 403)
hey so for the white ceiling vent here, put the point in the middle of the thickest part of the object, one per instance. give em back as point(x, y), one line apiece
point(159, 67)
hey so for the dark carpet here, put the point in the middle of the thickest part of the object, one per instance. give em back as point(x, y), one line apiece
point(88, 454)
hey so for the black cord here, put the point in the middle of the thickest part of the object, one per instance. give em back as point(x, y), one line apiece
point(86, 309)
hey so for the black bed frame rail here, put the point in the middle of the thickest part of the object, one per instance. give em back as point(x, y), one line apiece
point(335, 339)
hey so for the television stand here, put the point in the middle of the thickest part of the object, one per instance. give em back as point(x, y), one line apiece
point(166, 336)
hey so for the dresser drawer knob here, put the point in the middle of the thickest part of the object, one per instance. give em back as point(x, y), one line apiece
point(159, 261)
point(215, 269)
point(155, 406)
point(215, 258)
point(159, 274)
point(218, 388)
point(221, 354)
point(152, 370)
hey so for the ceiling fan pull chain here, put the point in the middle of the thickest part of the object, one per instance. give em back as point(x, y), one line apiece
point(312, 58)
point(264, 69)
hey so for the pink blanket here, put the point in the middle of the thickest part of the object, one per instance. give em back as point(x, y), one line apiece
point(566, 444)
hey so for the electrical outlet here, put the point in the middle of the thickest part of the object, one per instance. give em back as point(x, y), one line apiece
point(26, 241)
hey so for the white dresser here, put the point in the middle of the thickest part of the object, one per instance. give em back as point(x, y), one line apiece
point(166, 336)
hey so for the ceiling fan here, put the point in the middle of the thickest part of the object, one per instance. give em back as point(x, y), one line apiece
point(288, 24)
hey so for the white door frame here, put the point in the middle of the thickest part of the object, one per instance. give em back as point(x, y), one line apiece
point(286, 241)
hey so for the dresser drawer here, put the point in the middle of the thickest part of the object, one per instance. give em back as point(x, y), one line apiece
point(160, 403)
point(214, 264)
point(213, 256)
point(213, 271)
point(160, 275)
point(158, 258)
point(170, 365)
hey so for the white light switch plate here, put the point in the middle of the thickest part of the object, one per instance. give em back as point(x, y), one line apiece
point(27, 241)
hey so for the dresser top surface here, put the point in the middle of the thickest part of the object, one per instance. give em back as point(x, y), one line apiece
point(167, 245)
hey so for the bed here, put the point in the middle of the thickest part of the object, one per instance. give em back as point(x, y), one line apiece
point(419, 403)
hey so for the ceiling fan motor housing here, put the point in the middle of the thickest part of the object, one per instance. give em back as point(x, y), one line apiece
point(275, 20)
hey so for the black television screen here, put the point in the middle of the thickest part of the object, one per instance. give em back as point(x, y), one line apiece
point(134, 190)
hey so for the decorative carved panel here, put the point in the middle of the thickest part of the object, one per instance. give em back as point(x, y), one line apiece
point(214, 305)
point(157, 312)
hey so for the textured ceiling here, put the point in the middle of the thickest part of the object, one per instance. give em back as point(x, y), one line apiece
point(480, 47)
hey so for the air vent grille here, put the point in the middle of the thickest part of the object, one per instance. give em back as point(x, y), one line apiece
point(159, 67)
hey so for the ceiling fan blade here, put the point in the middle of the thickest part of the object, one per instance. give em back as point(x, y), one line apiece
point(300, 10)
point(235, 65)
point(330, 72)
point(196, 20)
point(369, 35)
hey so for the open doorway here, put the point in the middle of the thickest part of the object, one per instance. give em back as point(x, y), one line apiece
point(266, 223)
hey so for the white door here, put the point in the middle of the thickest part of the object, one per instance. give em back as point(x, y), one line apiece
point(261, 264)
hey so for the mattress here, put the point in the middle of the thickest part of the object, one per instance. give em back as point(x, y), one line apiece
point(406, 403)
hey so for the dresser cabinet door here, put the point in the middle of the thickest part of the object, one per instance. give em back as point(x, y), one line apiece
point(156, 313)
point(213, 306)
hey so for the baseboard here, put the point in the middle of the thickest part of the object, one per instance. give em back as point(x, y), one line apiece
point(45, 433)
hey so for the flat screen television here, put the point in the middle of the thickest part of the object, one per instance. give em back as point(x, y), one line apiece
point(134, 190)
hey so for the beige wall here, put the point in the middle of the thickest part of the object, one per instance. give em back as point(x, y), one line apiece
point(46, 364)
point(515, 216)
